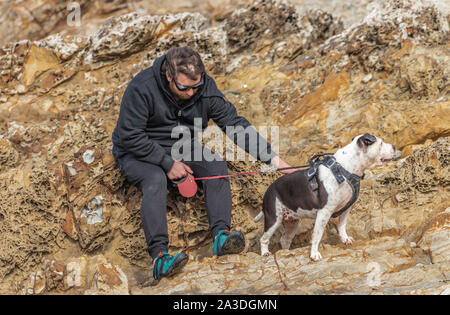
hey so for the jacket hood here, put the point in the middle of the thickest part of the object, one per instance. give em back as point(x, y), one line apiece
point(162, 84)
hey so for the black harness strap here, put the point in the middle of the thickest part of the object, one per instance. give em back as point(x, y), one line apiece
point(340, 173)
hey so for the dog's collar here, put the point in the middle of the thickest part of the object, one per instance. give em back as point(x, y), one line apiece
point(340, 173)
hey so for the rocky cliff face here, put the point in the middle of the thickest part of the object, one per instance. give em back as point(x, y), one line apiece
point(70, 223)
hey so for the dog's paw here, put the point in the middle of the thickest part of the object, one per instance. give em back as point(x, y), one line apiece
point(316, 256)
point(347, 240)
point(265, 254)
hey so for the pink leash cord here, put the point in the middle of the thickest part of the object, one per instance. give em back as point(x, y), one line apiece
point(249, 173)
point(224, 176)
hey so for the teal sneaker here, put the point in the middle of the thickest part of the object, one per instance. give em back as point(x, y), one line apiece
point(227, 242)
point(166, 265)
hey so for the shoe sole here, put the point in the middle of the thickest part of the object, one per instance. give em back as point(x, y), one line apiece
point(234, 244)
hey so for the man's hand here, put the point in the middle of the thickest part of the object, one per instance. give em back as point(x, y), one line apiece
point(178, 171)
point(279, 163)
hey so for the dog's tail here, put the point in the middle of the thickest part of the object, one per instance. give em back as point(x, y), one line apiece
point(258, 217)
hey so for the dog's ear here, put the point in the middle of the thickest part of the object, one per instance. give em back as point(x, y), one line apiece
point(365, 140)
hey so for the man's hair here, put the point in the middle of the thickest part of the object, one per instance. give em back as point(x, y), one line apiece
point(183, 60)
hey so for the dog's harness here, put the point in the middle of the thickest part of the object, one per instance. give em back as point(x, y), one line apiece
point(340, 173)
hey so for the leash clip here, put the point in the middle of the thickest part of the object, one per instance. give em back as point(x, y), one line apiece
point(311, 171)
point(330, 161)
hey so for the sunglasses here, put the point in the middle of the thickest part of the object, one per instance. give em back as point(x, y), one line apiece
point(183, 88)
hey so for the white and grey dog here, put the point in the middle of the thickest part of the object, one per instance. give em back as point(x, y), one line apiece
point(292, 197)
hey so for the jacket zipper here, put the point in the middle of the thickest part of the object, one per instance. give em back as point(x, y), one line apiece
point(179, 117)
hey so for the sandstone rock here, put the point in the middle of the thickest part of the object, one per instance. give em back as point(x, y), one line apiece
point(63, 46)
point(435, 240)
point(8, 155)
point(422, 75)
point(262, 23)
point(49, 277)
point(108, 279)
point(36, 20)
point(75, 273)
point(366, 268)
point(122, 36)
point(94, 276)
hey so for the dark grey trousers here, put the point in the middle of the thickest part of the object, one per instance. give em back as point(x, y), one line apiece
point(152, 181)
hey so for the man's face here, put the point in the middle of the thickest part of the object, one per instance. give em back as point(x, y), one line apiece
point(183, 80)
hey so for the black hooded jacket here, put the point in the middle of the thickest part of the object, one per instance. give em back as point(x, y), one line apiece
point(149, 112)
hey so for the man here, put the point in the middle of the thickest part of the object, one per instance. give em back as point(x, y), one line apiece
point(170, 94)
